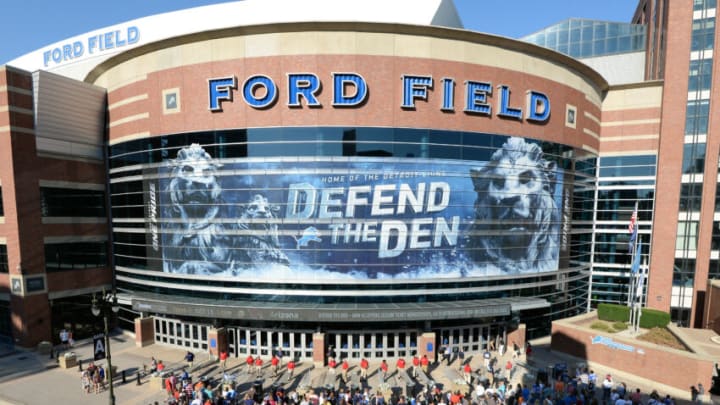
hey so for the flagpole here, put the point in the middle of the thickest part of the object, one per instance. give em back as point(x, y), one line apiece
point(642, 294)
point(634, 237)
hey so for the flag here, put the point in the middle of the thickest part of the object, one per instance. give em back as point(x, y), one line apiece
point(633, 228)
point(636, 260)
point(641, 281)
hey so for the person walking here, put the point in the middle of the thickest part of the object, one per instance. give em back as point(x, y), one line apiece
point(364, 365)
point(223, 359)
point(345, 367)
point(384, 370)
point(694, 393)
point(189, 358)
point(290, 368)
point(258, 367)
point(400, 365)
point(467, 373)
point(275, 363)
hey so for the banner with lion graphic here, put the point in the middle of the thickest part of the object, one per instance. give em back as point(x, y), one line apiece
point(358, 217)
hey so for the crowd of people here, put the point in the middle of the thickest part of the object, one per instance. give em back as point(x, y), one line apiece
point(488, 384)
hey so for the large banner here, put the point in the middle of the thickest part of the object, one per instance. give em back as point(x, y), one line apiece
point(360, 218)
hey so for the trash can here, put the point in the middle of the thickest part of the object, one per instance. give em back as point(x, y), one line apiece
point(258, 387)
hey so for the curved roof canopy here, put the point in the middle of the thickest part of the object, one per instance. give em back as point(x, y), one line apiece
point(75, 57)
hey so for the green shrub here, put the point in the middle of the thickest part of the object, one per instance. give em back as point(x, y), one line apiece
point(599, 325)
point(618, 326)
point(613, 313)
point(652, 318)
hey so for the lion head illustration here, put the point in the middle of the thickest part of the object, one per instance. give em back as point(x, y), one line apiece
point(197, 243)
point(259, 239)
point(516, 219)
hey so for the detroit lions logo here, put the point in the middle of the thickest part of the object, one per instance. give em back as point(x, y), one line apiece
point(309, 234)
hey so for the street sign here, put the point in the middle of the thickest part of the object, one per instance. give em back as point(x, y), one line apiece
point(99, 346)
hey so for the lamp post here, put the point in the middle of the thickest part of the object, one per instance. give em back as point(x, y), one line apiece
point(104, 306)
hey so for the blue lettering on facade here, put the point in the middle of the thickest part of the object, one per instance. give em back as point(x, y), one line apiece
point(476, 97)
point(253, 89)
point(219, 90)
point(504, 109)
point(96, 43)
point(351, 90)
point(448, 103)
point(415, 87)
point(303, 85)
point(538, 106)
point(607, 341)
point(342, 85)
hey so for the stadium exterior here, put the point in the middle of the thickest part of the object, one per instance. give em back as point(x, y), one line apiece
point(262, 174)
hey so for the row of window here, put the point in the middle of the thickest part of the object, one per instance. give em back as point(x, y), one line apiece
point(576, 283)
point(66, 202)
point(210, 283)
point(694, 151)
point(615, 202)
point(588, 38)
point(329, 141)
point(67, 256)
point(75, 255)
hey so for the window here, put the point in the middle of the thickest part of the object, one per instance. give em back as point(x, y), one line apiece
point(686, 230)
point(3, 259)
point(67, 202)
point(75, 255)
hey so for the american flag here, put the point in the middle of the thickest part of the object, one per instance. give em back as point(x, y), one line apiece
point(633, 220)
point(633, 229)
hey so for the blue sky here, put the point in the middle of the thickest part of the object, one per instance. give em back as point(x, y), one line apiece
point(31, 24)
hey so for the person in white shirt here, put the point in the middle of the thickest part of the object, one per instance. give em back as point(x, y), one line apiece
point(607, 386)
point(479, 391)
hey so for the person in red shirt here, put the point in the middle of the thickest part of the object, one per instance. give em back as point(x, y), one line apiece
point(258, 366)
point(223, 359)
point(275, 364)
point(331, 365)
point(467, 373)
point(400, 365)
point(364, 365)
point(424, 362)
point(291, 368)
point(250, 362)
point(416, 365)
point(384, 369)
point(345, 367)
point(169, 386)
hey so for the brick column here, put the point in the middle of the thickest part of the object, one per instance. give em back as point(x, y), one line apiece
point(319, 349)
point(426, 346)
point(517, 336)
point(144, 331)
point(217, 341)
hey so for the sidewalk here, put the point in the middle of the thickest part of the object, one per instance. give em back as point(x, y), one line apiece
point(29, 378)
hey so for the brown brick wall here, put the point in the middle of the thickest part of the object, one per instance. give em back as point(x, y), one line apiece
point(20, 173)
point(383, 76)
point(652, 363)
point(672, 131)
